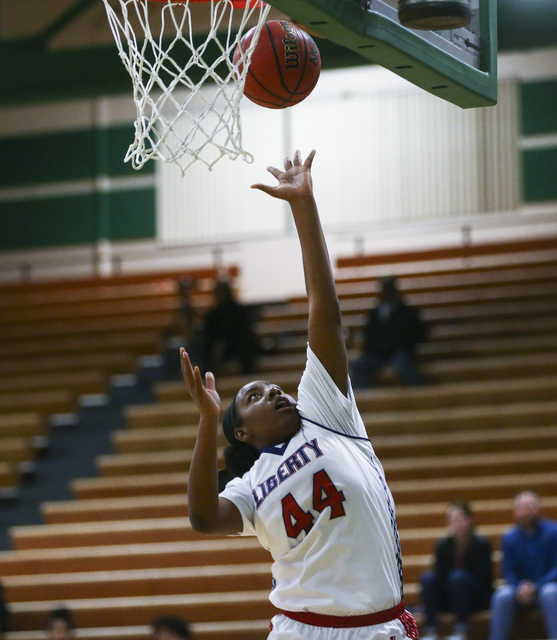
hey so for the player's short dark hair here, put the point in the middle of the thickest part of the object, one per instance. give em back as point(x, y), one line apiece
point(174, 624)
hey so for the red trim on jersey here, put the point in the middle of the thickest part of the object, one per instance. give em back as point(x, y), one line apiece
point(346, 622)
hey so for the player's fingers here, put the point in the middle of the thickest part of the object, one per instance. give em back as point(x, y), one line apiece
point(297, 158)
point(197, 379)
point(287, 163)
point(263, 187)
point(185, 363)
point(187, 372)
point(210, 381)
point(309, 159)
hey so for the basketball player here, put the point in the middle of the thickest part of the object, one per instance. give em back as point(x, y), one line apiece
point(316, 497)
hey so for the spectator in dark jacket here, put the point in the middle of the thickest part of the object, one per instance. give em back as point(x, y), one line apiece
point(228, 333)
point(185, 329)
point(462, 576)
point(392, 333)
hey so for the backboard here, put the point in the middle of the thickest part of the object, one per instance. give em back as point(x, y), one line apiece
point(459, 66)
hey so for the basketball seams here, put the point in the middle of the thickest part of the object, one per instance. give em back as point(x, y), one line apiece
point(277, 60)
point(306, 58)
point(283, 99)
point(280, 67)
point(255, 99)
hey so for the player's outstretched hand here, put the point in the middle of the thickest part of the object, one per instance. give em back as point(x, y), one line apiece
point(294, 181)
point(205, 395)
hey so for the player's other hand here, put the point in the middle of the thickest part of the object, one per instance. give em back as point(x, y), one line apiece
point(294, 181)
point(205, 395)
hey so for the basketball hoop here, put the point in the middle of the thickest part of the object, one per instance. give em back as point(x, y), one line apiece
point(186, 88)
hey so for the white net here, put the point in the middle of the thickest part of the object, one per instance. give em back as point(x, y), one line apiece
point(186, 88)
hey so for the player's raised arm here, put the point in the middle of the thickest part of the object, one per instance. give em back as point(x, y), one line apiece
point(208, 513)
point(325, 324)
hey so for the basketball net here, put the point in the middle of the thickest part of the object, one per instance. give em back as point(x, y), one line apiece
point(186, 89)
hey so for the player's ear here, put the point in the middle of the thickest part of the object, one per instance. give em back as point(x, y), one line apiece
point(242, 434)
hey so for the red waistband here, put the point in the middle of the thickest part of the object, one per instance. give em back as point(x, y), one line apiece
point(345, 622)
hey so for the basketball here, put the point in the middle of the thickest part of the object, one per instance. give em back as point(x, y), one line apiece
point(284, 67)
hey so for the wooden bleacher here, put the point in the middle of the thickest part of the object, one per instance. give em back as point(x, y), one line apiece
point(123, 552)
point(61, 340)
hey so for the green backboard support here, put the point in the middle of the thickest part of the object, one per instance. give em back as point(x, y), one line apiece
point(459, 66)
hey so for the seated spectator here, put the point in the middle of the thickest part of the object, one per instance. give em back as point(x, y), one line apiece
point(529, 566)
point(60, 625)
point(228, 333)
point(171, 628)
point(392, 333)
point(187, 317)
point(185, 329)
point(461, 580)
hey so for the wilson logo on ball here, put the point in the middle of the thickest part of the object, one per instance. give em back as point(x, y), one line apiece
point(290, 42)
point(285, 65)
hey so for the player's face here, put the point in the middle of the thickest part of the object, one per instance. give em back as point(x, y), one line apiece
point(268, 415)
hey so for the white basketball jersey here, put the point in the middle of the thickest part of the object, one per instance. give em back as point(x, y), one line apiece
point(321, 506)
